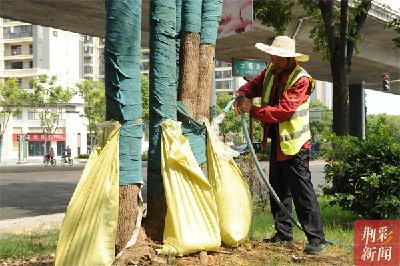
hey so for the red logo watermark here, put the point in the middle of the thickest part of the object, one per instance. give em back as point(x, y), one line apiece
point(377, 242)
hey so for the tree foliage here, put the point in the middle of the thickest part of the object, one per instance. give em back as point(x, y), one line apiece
point(12, 98)
point(364, 176)
point(335, 32)
point(391, 121)
point(324, 126)
point(48, 99)
point(145, 97)
point(232, 123)
point(274, 13)
point(395, 25)
point(93, 95)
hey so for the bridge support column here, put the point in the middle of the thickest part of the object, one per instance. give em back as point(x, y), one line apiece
point(357, 111)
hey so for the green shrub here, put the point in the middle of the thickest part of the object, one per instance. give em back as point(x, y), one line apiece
point(364, 176)
point(83, 156)
point(144, 156)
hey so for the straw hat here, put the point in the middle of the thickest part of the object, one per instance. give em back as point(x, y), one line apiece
point(282, 46)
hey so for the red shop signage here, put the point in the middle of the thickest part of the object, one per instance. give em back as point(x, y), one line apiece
point(40, 137)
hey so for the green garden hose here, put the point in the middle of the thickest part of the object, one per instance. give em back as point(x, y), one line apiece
point(263, 176)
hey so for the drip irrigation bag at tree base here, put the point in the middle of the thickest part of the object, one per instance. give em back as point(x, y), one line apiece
point(231, 191)
point(88, 232)
point(191, 222)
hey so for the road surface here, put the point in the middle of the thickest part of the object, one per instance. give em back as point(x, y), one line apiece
point(32, 190)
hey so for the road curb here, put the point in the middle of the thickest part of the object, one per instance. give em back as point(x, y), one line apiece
point(30, 224)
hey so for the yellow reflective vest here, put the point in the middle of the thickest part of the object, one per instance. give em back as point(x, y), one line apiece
point(295, 131)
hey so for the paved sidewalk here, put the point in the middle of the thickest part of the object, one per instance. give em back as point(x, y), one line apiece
point(30, 224)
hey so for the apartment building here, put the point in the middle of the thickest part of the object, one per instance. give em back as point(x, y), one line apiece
point(93, 58)
point(27, 51)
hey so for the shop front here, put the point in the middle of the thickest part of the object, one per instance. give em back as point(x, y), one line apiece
point(36, 142)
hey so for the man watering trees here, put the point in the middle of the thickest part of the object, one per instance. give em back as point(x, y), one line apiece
point(285, 88)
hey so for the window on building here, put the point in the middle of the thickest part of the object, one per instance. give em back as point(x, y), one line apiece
point(88, 70)
point(34, 114)
point(18, 115)
point(19, 82)
point(101, 70)
point(30, 64)
point(15, 32)
point(87, 39)
point(30, 49)
point(101, 52)
point(145, 55)
point(36, 148)
point(16, 49)
point(222, 64)
point(223, 85)
point(89, 78)
point(60, 147)
point(227, 74)
point(218, 74)
point(87, 60)
point(145, 66)
point(17, 65)
point(88, 50)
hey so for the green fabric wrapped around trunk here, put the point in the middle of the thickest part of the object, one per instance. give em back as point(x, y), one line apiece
point(122, 82)
point(191, 16)
point(211, 16)
point(163, 92)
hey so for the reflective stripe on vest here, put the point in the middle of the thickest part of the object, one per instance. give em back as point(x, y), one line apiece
point(296, 131)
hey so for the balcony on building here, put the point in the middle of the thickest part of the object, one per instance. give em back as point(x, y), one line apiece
point(87, 39)
point(16, 52)
point(17, 32)
point(88, 61)
point(88, 51)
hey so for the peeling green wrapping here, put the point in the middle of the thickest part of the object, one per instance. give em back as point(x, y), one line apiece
point(210, 19)
point(191, 16)
point(162, 73)
point(122, 82)
point(195, 133)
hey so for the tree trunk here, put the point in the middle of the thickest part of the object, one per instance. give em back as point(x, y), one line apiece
point(162, 98)
point(206, 61)
point(124, 103)
point(340, 100)
point(156, 211)
point(188, 71)
point(127, 215)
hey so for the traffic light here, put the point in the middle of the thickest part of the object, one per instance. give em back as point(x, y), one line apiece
point(26, 137)
point(385, 80)
point(18, 138)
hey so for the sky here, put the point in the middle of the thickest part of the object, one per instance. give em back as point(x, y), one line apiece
point(380, 102)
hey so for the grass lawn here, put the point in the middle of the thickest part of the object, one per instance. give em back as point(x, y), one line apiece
point(338, 228)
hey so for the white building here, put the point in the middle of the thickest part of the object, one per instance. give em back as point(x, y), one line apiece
point(27, 51)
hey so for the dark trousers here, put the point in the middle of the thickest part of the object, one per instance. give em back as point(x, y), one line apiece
point(291, 179)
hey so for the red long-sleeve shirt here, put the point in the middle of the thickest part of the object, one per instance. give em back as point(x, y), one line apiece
point(285, 105)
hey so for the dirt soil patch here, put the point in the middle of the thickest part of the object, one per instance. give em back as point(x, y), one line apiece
point(255, 253)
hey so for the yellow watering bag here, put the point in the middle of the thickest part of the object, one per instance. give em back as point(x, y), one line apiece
point(191, 222)
point(231, 190)
point(88, 232)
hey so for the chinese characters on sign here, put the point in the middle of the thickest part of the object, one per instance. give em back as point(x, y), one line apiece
point(40, 137)
point(247, 68)
point(377, 242)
